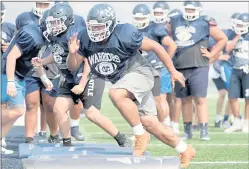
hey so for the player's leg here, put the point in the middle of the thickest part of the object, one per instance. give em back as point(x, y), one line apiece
point(245, 90)
point(63, 104)
point(165, 89)
point(75, 120)
point(48, 103)
point(43, 122)
point(198, 90)
point(15, 107)
point(196, 125)
point(177, 111)
point(122, 95)
point(32, 101)
point(92, 99)
point(234, 93)
point(220, 85)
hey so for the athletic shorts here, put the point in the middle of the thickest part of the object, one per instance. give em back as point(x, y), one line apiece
point(18, 99)
point(166, 84)
point(91, 96)
point(140, 83)
point(239, 85)
point(196, 80)
point(35, 83)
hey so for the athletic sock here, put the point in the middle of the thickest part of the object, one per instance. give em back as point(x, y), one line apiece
point(120, 138)
point(181, 147)
point(226, 117)
point(138, 129)
point(74, 123)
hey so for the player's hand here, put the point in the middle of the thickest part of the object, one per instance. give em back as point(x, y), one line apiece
point(73, 44)
point(5, 46)
point(78, 89)
point(47, 83)
point(224, 57)
point(36, 62)
point(177, 76)
point(11, 89)
point(205, 52)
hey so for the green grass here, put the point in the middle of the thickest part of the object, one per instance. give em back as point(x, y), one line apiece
point(206, 151)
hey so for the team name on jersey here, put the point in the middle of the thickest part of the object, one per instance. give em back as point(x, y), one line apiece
point(106, 63)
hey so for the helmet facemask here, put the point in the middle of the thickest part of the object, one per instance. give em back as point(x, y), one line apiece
point(40, 7)
point(240, 27)
point(160, 15)
point(56, 26)
point(141, 21)
point(191, 12)
point(98, 32)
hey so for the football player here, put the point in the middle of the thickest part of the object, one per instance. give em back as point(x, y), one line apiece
point(221, 71)
point(157, 32)
point(8, 31)
point(32, 83)
point(191, 32)
point(16, 63)
point(77, 108)
point(176, 106)
point(239, 81)
point(60, 25)
point(113, 54)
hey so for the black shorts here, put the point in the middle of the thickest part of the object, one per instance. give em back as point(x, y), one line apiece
point(156, 88)
point(239, 85)
point(196, 80)
point(91, 96)
point(219, 83)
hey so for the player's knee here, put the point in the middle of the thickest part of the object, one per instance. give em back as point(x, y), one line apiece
point(222, 93)
point(187, 100)
point(113, 94)
point(200, 101)
point(16, 112)
point(231, 101)
point(92, 114)
point(149, 122)
point(32, 105)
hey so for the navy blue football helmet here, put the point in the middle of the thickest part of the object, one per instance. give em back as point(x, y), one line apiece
point(141, 16)
point(192, 9)
point(241, 24)
point(160, 12)
point(59, 19)
point(101, 21)
point(41, 6)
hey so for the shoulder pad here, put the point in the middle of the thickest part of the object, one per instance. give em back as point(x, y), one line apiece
point(130, 36)
point(211, 21)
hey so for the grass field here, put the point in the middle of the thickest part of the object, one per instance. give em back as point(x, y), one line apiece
point(224, 151)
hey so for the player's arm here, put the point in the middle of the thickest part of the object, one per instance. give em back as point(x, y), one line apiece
point(85, 73)
point(231, 44)
point(220, 38)
point(14, 54)
point(47, 83)
point(150, 45)
point(48, 60)
point(167, 41)
point(74, 58)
